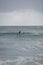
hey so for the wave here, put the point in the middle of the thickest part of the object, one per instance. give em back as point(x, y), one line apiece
point(23, 61)
point(19, 61)
point(23, 33)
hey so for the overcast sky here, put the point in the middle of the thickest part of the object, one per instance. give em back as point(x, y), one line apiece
point(21, 12)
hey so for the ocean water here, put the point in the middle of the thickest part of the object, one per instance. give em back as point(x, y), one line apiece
point(21, 49)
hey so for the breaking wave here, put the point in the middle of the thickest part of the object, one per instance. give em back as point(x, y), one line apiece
point(23, 61)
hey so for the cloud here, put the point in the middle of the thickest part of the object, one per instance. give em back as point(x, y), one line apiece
point(22, 17)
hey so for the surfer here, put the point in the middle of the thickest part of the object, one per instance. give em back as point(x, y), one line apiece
point(19, 32)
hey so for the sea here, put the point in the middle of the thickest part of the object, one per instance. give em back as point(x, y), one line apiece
point(25, 48)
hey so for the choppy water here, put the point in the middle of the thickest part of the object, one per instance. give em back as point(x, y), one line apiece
point(23, 49)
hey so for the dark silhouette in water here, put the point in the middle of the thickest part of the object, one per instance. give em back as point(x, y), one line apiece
point(19, 32)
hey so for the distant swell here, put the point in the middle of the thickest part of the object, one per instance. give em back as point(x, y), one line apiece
point(24, 33)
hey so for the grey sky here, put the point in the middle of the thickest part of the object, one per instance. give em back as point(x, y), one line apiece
point(21, 12)
point(11, 5)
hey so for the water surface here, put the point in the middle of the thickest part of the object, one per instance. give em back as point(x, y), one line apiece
point(23, 49)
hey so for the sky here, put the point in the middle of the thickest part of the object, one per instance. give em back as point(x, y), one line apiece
point(21, 12)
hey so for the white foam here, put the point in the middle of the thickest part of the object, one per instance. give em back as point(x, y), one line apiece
point(19, 61)
point(6, 61)
point(38, 63)
point(24, 49)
